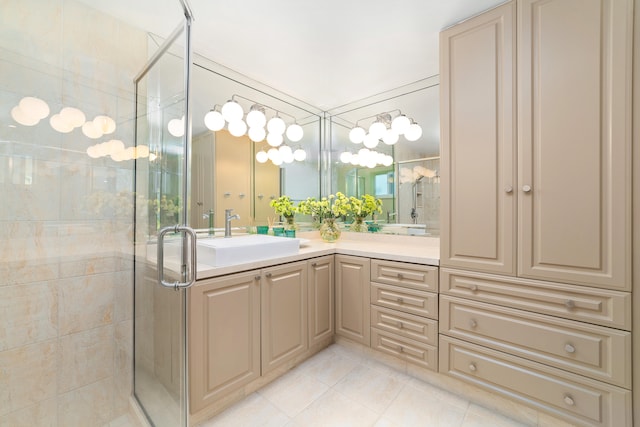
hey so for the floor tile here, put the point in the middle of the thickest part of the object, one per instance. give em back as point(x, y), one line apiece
point(328, 367)
point(415, 407)
point(371, 388)
point(293, 392)
point(477, 416)
point(253, 411)
point(334, 409)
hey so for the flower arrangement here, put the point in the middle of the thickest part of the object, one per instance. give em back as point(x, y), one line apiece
point(284, 206)
point(365, 206)
point(331, 207)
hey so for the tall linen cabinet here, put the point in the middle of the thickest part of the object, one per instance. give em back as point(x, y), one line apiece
point(536, 132)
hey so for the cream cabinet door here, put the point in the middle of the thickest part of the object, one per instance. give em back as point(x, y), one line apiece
point(321, 299)
point(353, 298)
point(284, 314)
point(574, 133)
point(224, 336)
point(477, 116)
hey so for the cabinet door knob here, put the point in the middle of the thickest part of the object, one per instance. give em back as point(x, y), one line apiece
point(401, 349)
point(268, 275)
point(401, 325)
point(508, 189)
point(473, 324)
point(473, 288)
point(257, 278)
point(472, 367)
point(526, 188)
point(569, 400)
point(313, 264)
point(569, 304)
point(400, 276)
point(400, 300)
point(569, 348)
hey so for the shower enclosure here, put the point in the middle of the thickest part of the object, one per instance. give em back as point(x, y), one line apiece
point(163, 130)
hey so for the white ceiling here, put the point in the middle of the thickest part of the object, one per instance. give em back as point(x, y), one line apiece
point(327, 53)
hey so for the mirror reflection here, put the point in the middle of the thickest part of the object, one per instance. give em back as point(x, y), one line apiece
point(402, 168)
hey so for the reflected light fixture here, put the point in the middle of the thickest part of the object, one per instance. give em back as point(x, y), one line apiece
point(60, 125)
point(256, 117)
point(232, 111)
point(257, 134)
point(276, 125)
point(299, 155)
point(295, 132)
point(413, 132)
point(400, 124)
point(175, 127)
point(386, 129)
point(237, 128)
point(213, 120)
point(357, 134)
point(262, 156)
point(274, 139)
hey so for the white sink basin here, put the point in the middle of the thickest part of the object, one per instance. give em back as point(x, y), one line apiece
point(222, 251)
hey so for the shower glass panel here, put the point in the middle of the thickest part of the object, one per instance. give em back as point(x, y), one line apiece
point(162, 146)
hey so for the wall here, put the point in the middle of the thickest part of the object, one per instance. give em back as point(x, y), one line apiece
point(65, 218)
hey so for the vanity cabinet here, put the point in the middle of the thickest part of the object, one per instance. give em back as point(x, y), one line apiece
point(284, 313)
point(321, 289)
point(404, 311)
point(224, 336)
point(536, 208)
point(352, 298)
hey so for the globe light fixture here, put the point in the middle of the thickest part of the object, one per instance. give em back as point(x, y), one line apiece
point(74, 117)
point(175, 128)
point(357, 134)
point(355, 160)
point(214, 121)
point(257, 134)
point(105, 124)
point(276, 125)
point(345, 156)
point(34, 107)
point(295, 132)
point(390, 137)
point(299, 155)
point(377, 129)
point(237, 128)
point(413, 133)
point(370, 141)
point(400, 124)
point(60, 125)
point(387, 161)
point(262, 156)
point(232, 111)
point(24, 118)
point(256, 117)
point(274, 139)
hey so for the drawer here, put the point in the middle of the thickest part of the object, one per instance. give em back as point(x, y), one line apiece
point(573, 397)
point(414, 276)
point(406, 325)
point(599, 306)
point(595, 351)
point(406, 349)
point(407, 300)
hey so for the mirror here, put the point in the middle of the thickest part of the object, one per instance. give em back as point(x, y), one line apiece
point(409, 184)
point(225, 173)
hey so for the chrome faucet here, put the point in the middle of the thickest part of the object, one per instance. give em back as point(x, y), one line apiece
point(210, 217)
point(391, 215)
point(227, 221)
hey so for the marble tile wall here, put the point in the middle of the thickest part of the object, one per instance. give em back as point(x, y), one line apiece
point(66, 276)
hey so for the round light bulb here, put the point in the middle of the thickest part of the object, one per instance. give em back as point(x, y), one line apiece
point(390, 137)
point(237, 128)
point(286, 152)
point(388, 161)
point(73, 116)
point(256, 119)
point(362, 161)
point(175, 128)
point(357, 134)
point(35, 107)
point(363, 152)
point(116, 145)
point(400, 124)
point(105, 123)
point(257, 134)
point(295, 132)
point(345, 156)
point(277, 161)
point(288, 158)
point(272, 153)
point(274, 139)
point(262, 156)
point(214, 121)
point(299, 155)
point(24, 118)
point(232, 111)
point(276, 125)
point(93, 152)
point(377, 129)
point(59, 124)
point(355, 159)
point(371, 163)
point(413, 133)
point(370, 141)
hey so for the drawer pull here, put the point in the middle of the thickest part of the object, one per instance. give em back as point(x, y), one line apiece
point(569, 304)
point(569, 348)
point(472, 367)
point(313, 264)
point(268, 275)
point(401, 350)
point(400, 276)
point(401, 325)
point(473, 324)
point(400, 300)
point(569, 400)
point(257, 278)
point(474, 288)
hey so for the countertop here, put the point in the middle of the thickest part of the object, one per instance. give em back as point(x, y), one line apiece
point(412, 249)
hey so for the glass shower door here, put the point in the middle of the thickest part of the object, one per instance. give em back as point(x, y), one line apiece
point(163, 133)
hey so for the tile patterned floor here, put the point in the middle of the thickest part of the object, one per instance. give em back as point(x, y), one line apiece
point(341, 387)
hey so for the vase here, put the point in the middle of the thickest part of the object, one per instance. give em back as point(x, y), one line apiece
point(290, 223)
point(329, 230)
point(358, 225)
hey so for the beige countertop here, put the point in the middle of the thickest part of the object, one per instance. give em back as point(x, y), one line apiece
point(413, 249)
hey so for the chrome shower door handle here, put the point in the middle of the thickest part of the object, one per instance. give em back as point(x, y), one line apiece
point(189, 273)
